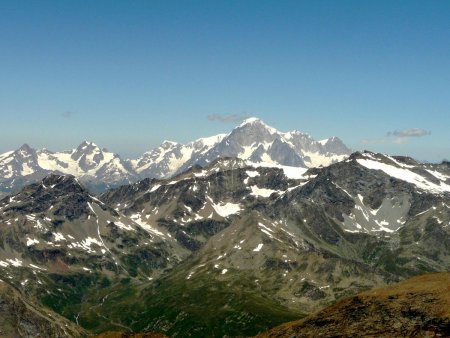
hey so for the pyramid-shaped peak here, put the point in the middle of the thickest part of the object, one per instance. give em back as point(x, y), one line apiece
point(25, 151)
point(256, 122)
point(25, 147)
point(68, 183)
point(169, 143)
point(166, 145)
point(86, 144)
point(251, 120)
point(88, 147)
point(335, 145)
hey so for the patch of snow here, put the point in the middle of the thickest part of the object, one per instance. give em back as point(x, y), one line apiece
point(123, 226)
point(258, 248)
point(261, 192)
point(59, 237)
point(406, 175)
point(252, 173)
point(37, 267)
point(32, 241)
point(155, 187)
point(15, 262)
point(226, 209)
point(137, 219)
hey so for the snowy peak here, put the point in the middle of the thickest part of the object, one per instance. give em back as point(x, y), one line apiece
point(21, 162)
point(334, 145)
point(89, 156)
point(250, 120)
point(255, 141)
point(254, 122)
point(207, 142)
point(253, 130)
point(168, 144)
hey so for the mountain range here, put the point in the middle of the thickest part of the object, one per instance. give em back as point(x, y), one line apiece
point(230, 248)
point(100, 169)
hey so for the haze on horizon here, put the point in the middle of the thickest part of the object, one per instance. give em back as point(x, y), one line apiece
point(130, 75)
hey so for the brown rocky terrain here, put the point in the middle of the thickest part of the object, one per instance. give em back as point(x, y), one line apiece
point(417, 307)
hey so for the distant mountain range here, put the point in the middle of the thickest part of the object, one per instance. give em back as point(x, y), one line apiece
point(100, 169)
point(229, 249)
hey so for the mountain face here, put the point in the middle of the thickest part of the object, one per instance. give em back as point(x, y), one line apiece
point(229, 249)
point(56, 225)
point(100, 169)
point(417, 307)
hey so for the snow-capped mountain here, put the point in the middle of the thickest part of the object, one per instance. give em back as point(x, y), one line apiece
point(100, 169)
point(169, 157)
point(252, 140)
point(96, 167)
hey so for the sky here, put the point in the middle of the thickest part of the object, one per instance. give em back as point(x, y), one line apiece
point(130, 74)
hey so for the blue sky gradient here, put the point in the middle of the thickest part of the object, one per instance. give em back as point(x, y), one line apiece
point(129, 74)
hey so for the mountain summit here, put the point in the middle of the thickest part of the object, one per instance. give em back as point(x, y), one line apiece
point(99, 169)
point(252, 140)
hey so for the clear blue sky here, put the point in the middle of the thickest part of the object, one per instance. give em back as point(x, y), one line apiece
point(129, 74)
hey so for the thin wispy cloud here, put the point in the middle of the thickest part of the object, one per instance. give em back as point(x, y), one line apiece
point(227, 118)
point(402, 136)
point(398, 136)
point(414, 132)
point(67, 115)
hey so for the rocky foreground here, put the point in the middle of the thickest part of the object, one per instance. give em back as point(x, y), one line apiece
point(417, 307)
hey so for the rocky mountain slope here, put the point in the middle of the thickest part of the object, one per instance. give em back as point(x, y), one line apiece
point(56, 225)
point(417, 307)
point(100, 169)
point(229, 249)
point(20, 317)
point(293, 244)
